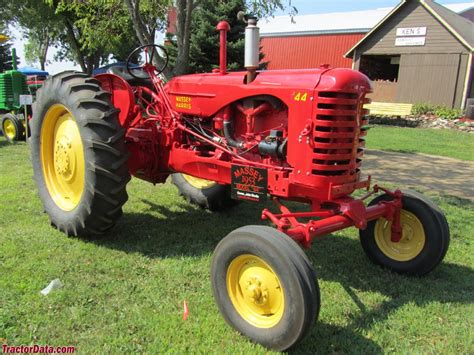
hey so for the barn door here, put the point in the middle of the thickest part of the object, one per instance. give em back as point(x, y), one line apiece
point(428, 78)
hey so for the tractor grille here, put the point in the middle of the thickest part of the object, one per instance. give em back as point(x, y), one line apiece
point(338, 134)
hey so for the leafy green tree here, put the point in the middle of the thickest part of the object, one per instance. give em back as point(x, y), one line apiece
point(89, 32)
point(265, 8)
point(94, 31)
point(38, 23)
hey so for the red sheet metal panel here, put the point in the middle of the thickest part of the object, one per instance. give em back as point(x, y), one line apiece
point(299, 52)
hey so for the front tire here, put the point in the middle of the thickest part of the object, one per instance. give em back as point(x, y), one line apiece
point(79, 155)
point(424, 242)
point(265, 286)
point(12, 128)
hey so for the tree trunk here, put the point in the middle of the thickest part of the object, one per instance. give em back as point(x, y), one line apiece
point(143, 34)
point(183, 33)
point(75, 45)
point(44, 51)
point(138, 25)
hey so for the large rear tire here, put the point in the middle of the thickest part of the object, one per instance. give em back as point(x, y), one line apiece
point(424, 242)
point(204, 193)
point(265, 286)
point(79, 155)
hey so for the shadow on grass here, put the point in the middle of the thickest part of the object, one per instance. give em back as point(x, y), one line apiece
point(160, 233)
point(341, 259)
point(3, 142)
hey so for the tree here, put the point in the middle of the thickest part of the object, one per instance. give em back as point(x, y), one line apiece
point(6, 60)
point(38, 24)
point(204, 39)
point(37, 46)
point(204, 43)
point(93, 31)
point(184, 23)
point(265, 8)
point(149, 16)
point(89, 32)
point(184, 9)
point(4, 54)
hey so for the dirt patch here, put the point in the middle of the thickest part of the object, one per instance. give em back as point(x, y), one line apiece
point(436, 174)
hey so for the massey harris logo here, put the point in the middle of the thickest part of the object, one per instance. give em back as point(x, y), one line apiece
point(249, 183)
point(183, 102)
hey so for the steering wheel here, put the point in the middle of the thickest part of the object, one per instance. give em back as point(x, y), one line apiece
point(146, 58)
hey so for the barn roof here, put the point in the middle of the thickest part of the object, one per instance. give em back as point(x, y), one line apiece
point(335, 22)
point(342, 22)
point(460, 27)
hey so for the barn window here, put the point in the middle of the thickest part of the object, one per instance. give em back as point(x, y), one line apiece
point(380, 67)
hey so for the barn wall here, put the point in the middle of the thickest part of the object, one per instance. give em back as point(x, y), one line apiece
point(301, 52)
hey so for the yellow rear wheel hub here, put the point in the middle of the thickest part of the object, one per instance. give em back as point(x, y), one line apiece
point(255, 291)
point(198, 183)
point(62, 157)
point(411, 243)
point(9, 129)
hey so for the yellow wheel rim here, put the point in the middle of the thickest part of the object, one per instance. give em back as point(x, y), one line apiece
point(255, 291)
point(411, 243)
point(9, 129)
point(62, 157)
point(198, 183)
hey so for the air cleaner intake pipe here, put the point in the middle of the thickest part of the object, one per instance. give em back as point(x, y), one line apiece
point(223, 27)
point(228, 130)
point(252, 46)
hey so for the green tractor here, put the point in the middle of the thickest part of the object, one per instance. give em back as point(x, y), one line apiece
point(12, 116)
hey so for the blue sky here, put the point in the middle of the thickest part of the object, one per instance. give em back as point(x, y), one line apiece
point(321, 6)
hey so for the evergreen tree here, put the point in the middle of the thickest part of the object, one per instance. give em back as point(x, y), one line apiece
point(6, 54)
point(204, 51)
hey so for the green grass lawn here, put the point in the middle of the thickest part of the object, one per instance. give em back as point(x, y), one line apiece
point(125, 292)
point(442, 142)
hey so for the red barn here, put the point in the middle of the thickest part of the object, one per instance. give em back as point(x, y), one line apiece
point(307, 41)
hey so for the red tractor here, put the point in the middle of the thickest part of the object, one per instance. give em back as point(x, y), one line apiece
point(286, 135)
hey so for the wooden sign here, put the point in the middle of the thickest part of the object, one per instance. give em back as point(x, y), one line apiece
point(411, 31)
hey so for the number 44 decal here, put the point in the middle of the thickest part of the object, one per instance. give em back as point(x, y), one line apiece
point(301, 96)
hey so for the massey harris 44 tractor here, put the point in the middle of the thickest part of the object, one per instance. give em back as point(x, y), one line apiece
point(284, 135)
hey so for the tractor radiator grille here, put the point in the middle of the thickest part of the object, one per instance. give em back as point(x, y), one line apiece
point(338, 134)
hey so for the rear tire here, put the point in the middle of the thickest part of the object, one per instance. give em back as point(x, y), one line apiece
point(79, 155)
point(425, 237)
point(204, 193)
point(12, 128)
point(265, 286)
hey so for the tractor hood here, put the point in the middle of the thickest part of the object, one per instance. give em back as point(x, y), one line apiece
point(205, 94)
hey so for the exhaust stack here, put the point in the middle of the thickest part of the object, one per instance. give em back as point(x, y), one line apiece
point(223, 27)
point(252, 46)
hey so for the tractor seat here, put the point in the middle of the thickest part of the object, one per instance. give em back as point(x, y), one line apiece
point(123, 73)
